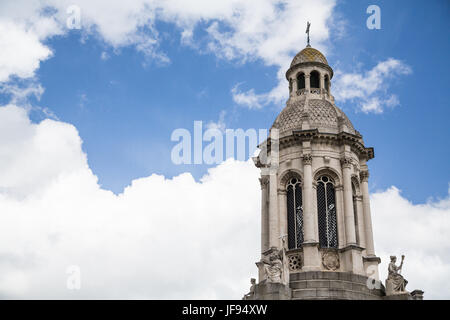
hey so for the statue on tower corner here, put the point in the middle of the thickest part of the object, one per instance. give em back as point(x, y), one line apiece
point(251, 293)
point(273, 266)
point(395, 283)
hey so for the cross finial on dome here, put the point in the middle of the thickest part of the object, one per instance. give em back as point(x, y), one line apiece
point(308, 24)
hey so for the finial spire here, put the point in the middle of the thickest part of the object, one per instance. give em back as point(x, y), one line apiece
point(308, 24)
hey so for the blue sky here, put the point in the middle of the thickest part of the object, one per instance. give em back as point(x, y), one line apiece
point(125, 107)
point(140, 69)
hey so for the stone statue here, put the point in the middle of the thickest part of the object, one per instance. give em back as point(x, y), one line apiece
point(251, 293)
point(397, 284)
point(273, 267)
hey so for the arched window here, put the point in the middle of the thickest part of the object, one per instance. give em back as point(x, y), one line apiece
point(314, 79)
point(326, 210)
point(327, 83)
point(294, 213)
point(301, 81)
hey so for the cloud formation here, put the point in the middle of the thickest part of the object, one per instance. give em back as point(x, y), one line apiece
point(21, 51)
point(370, 89)
point(235, 30)
point(241, 31)
point(161, 238)
point(419, 231)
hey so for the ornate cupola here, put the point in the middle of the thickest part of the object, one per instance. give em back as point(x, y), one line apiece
point(316, 227)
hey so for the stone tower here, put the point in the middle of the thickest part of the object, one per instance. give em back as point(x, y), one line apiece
point(316, 226)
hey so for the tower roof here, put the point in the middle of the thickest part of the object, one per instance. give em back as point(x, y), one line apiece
point(309, 54)
point(322, 115)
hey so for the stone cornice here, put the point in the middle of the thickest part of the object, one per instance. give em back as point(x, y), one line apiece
point(372, 258)
point(351, 246)
point(354, 141)
point(313, 135)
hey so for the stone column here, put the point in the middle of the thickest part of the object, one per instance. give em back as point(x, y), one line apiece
point(294, 87)
point(370, 250)
point(264, 180)
point(282, 203)
point(340, 215)
point(307, 83)
point(360, 215)
point(322, 83)
point(308, 214)
point(348, 202)
point(273, 212)
point(311, 258)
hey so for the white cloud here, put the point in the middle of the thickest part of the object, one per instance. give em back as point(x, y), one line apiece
point(249, 98)
point(421, 232)
point(20, 91)
point(161, 238)
point(370, 89)
point(267, 30)
point(104, 55)
point(21, 51)
point(220, 124)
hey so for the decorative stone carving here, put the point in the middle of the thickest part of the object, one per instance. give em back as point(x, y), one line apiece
point(307, 159)
point(273, 266)
point(251, 293)
point(346, 162)
point(395, 283)
point(301, 92)
point(330, 260)
point(364, 175)
point(295, 261)
point(264, 181)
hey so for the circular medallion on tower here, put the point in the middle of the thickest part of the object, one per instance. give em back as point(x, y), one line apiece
point(330, 260)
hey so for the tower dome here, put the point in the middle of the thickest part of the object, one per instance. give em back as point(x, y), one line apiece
point(311, 104)
point(309, 54)
point(321, 114)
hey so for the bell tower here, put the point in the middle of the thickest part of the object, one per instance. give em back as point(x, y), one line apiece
point(316, 226)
